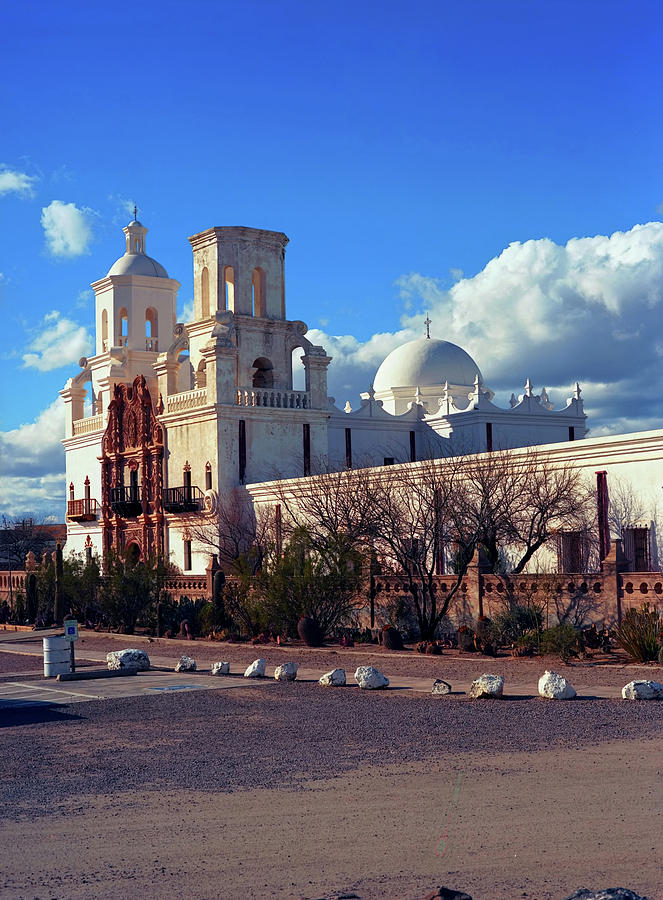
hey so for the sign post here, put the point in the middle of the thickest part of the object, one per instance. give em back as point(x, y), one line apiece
point(71, 634)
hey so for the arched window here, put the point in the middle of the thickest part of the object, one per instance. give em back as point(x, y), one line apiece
point(298, 371)
point(263, 377)
point(229, 287)
point(204, 293)
point(151, 329)
point(258, 291)
point(104, 330)
point(124, 327)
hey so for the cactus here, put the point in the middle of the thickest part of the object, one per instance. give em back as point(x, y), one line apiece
point(31, 597)
point(309, 631)
point(660, 655)
point(58, 611)
point(391, 638)
point(218, 587)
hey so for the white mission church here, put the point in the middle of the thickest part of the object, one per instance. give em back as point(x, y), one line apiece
point(167, 416)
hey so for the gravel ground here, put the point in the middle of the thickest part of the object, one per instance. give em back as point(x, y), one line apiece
point(228, 740)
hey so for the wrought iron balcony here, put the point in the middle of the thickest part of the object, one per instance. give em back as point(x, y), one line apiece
point(185, 499)
point(125, 500)
point(82, 510)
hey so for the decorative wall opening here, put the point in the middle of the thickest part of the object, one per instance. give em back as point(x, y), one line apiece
point(151, 329)
point(229, 288)
point(104, 329)
point(123, 326)
point(259, 304)
point(204, 293)
point(298, 370)
point(263, 377)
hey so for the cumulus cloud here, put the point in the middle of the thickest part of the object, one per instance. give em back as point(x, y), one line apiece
point(587, 311)
point(58, 342)
point(12, 182)
point(32, 465)
point(67, 228)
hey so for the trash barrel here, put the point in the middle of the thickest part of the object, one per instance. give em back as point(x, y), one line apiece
point(56, 656)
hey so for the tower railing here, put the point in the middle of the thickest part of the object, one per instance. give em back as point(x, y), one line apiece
point(273, 398)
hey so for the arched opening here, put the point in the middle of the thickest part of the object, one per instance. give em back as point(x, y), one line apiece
point(263, 377)
point(123, 327)
point(104, 330)
point(132, 555)
point(298, 371)
point(229, 287)
point(204, 293)
point(258, 291)
point(151, 329)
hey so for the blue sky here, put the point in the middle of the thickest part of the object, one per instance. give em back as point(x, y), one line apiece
point(498, 164)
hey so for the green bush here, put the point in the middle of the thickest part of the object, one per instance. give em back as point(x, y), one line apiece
point(562, 640)
point(527, 644)
point(516, 621)
point(638, 633)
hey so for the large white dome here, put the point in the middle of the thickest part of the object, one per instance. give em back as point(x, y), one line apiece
point(426, 362)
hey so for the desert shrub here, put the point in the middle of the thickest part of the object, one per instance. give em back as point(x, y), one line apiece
point(466, 639)
point(562, 640)
point(515, 621)
point(392, 638)
point(310, 632)
point(638, 633)
point(527, 644)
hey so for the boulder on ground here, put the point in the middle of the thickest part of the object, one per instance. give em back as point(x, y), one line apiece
point(642, 690)
point(555, 687)
point(128, 659)
point(441, 687)
point(443, 893)
point(221, 668)
point(335, 678)
point(487, 687)
point(186, 664)
point(618, 893)
point(370, 679)
point(256, 669)
point(286, 672)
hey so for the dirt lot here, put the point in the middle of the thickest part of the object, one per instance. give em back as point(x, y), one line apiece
point(294, 791)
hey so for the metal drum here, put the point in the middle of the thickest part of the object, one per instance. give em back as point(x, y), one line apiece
point(56, 656)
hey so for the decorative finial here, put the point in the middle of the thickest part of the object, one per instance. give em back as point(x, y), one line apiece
point(577, 391)
point(528, 388)
point(135, 213)
point(427, 323)
point(347, 408)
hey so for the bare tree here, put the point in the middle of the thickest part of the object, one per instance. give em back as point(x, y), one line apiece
point(235, 532)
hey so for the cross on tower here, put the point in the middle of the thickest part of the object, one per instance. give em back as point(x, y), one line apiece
point(427, 323)
point(135, 213)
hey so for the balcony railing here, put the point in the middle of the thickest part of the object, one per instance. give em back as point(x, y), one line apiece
point(186, 400)
point(125, 501)
point(185, 499)
point(273, 398)
point(82, 510)
point(91, 423)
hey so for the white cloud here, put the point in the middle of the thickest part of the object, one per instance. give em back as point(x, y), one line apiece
point(59, 342)
point(32, 465)
point(187, 311)
point(67, 228)
point(587, 311)
point(12, 182)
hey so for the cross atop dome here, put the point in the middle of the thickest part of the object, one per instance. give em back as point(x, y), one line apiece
point(427, 323)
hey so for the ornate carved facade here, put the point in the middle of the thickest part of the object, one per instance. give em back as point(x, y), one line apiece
point(132, 473)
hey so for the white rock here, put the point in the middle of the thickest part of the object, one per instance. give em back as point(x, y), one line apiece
point(186, 664)
point(441, 687)
point(370, 679)
point(221, 668)
point(487, 686)
point(335, 678)
point(128, 659)
point(256, 669)
point(643, 690)
point(286, 672)
point(555, 687)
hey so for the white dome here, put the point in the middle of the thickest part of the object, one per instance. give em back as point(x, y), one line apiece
point(425, 362)
point(137, 264)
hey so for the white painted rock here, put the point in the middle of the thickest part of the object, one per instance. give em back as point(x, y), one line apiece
point(487, 687)
point(370, 679)
point(643, 690)
point(128, 659)
point(186, 664)
point(555, 687)
point(256, 669)
point(335, 678)
point(286, 672)
point(441, 687)
point(221, 668)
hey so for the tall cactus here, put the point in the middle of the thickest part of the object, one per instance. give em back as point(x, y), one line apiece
point(218, 587)
point(31, 597)
point(58, 601)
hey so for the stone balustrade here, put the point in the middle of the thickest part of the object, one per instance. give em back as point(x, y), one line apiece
point(89, 424)
point(186, 400)
point(273, 397)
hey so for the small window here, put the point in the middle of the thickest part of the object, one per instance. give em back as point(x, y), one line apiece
point(187, 556)
point(208, 476)
point(229, 287)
